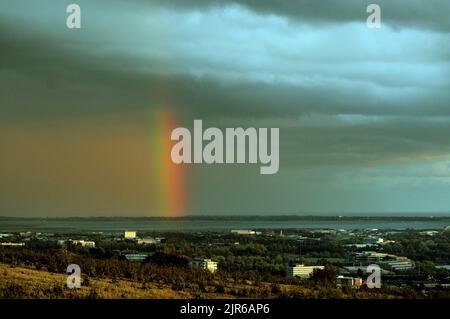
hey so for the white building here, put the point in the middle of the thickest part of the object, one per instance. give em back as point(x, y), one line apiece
point(207, 264)
point(84, 243)
point(386, 242)
point(244, 232)
point(429, 232)
point(301, 271)
point(146, 241)
point(130, 234)
point(149, 241)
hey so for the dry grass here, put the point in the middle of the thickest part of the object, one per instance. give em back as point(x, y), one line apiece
point(19, 282)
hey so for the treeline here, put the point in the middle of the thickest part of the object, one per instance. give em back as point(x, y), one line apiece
point(419, 247)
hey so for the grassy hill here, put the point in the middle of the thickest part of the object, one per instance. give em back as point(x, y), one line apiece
point(19, 282)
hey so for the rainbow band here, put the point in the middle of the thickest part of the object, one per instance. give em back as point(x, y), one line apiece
point(169, 193)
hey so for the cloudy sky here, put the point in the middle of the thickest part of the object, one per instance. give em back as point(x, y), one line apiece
point(364, 114)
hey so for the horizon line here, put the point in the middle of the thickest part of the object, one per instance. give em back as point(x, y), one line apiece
point(324, 215)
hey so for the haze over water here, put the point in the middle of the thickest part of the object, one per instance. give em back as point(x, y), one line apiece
point(208, 224)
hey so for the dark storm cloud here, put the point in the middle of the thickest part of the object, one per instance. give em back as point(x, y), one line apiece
point(65, 79)
point(369, 143)
point(71, 78)
point(431, 14)
point(292, 77)
point(349, 101)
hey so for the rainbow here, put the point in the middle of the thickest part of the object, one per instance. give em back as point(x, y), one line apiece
point(169, 195)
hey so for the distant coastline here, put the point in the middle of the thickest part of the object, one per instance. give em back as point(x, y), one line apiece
point(218, 223)
point(243, 218)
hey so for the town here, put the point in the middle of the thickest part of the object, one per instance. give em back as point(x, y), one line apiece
point(412, 262)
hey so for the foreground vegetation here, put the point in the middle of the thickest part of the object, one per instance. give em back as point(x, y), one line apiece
point(249, 266)
point(26, 273)
point(21, 282)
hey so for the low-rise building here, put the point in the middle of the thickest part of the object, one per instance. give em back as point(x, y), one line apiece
point(84, 243)
point(301, 271)
point(385, 261)
point(369, 257)
point(355, 269)
point(61, 242)
point(387, 242)
point(297, 237)
point(149, 241)
point(243, 232)
point(445, 267)
point(146, 241)
point(136, 257)
point(429, 232)
point(398, 264)
point(12, 244)
point(207, 264)
point(360, 245)
point(350, 282)
point(128, 234)
point(26, 234)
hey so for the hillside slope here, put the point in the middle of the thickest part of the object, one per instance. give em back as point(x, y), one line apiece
point(19, 282)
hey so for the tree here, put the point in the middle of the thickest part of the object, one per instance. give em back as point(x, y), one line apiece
point(326, 276)
point(164, 259)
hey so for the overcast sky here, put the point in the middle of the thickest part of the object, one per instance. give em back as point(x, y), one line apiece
point(364, 114)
